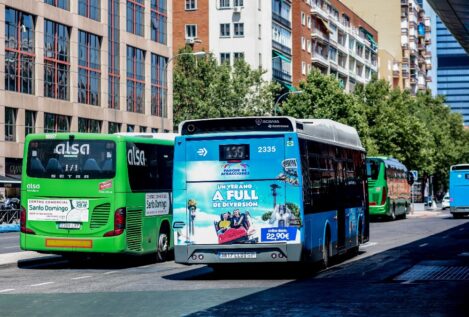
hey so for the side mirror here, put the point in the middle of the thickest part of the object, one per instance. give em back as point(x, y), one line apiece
point(410, 178)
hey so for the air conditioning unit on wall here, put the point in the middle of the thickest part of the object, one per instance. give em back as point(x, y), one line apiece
point(190, 40)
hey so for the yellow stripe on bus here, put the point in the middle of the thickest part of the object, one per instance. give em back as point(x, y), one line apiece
point(69, 243)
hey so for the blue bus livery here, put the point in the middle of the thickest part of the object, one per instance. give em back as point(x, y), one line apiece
point(268, 190)
point(459, 190)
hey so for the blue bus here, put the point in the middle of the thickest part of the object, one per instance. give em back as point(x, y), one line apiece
point(268, 189)
point(459, 190)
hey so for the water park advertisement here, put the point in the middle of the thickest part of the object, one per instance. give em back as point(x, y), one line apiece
point(240, 211)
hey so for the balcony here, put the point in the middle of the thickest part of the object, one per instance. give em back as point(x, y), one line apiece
point(278, 18)
point(320, 59)
point(281, 75)
point(318, 11)
point(404, 3)
point(318, 35)
point(281, 47)
point(428, 79)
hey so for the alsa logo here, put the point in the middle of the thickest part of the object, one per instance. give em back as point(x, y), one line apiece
point(136, 157)
point(66, 148)
point(33, 187)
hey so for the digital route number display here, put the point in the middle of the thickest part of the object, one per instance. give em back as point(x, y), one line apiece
point(231, 152)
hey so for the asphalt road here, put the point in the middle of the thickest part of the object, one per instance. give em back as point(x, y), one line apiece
point(375, 283)
point(9, 242)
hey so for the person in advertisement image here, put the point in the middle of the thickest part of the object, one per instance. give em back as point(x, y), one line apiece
point(243, 211)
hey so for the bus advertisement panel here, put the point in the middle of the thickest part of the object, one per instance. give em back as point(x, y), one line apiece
point(97, 193)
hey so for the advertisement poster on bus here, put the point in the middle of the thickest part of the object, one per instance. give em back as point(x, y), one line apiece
point(66, 210)
point(229, 211)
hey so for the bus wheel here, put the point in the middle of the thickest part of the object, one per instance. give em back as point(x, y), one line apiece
point(326, 255)
point(393, 212)
point(163, 247)
point(404, 215)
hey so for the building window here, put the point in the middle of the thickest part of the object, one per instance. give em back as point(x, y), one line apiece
point(308, 23)
point(238, 3)
point(29, 122)
point(56, 60)
point(135, 9)
point(89, 9)
point(56, 123)
point(308, 46)
point(10, 124)
point(238, 56)
point(154, 130)
point(113, 127)
point(135, 80)
point(303, 18)
point(19, 51)
point(130, 128)
point(89, 125)
point(303, 68)
point(191, 31)
point(191, 4)
point(89, 68)
point(260, 31)
point(143, 129)
point(225, 58)
point(63, 4)
point(238, 29)
point(113, 55)
point(225, 30)
point(224, 4)
point(159, 17)
point(303, 43)
point(159, 86)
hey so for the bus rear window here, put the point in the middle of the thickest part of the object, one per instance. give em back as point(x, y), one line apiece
point(71, 159)
point(372, 169)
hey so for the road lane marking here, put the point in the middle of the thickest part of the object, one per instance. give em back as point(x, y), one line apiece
point(81, 277)
point(423, 245)
point(445, 237)
point(408, 282)
point(7, 290)
point(10, 247)
point(464, 254)
point(110, 272)
point(143, 267)
point(41, 284)
point(368, 244)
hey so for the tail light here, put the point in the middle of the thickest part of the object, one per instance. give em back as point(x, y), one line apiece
point(23, 228)
point(384, 196)
point(372, 203)
point(119, 223)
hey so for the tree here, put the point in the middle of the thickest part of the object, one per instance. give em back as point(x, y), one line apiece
point(204, 89)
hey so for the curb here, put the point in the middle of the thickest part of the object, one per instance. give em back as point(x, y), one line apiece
point(18, 257)
point(10, 228)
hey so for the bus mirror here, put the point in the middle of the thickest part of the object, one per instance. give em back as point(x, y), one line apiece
point(410, 178)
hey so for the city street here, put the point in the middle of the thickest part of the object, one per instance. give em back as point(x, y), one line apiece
point(370, 284)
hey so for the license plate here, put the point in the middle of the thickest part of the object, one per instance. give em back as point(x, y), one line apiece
point(237, 255)
point(69, 225)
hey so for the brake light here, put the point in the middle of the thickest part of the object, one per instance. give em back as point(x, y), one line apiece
point(23, 228)
point(384, 196)
point(372, 203)
point(119, 223)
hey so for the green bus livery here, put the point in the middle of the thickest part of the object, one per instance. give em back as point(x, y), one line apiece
point(389, 191)
point(97, 193)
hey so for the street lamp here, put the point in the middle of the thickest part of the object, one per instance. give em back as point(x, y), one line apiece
point(165, 103)
point(283, 95)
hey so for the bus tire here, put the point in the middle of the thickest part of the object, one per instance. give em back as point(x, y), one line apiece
point(406, 210)
point(162, 250)
point(457, 215)
point(326, 251)
point(393, 212)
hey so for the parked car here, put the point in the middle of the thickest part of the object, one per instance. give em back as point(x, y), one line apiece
point(445, 201)
point(10, 203)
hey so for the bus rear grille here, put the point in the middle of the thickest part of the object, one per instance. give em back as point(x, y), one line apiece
point(100, 216)
point(134, 230)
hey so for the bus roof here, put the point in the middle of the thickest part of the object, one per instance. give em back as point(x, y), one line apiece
point(321, 130)
point(165, 137)
point(389, 161)
point(460, 167)
point(159, 136)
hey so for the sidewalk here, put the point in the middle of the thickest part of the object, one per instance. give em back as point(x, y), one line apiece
point(10, 258)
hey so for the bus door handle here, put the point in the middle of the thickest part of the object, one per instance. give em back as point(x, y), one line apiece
point(178, 224)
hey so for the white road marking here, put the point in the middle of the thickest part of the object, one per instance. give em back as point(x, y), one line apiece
point(10, 247)
point(81, 277)
point(143, 267)
point(464, 254)
point(408, 282)
point(110, 272)
point(6, 290)
point(423, 245)
point(368, 244)
point(40, 284)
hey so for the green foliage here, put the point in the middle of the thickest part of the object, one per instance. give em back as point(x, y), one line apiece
point(421, 131)
point(204, 89)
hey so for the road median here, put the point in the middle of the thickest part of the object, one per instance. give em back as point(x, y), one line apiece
point(17, 257)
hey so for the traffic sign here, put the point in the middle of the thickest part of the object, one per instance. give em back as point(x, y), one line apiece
point(415, 174)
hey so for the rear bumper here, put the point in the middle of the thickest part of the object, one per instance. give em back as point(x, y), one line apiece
point(459, 210)
point(210, 254)
point(379, 210)
point(51, 244)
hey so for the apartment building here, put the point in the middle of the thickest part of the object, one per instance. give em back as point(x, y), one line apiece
point(81, 66)
point(405, 34)
point(338, 42)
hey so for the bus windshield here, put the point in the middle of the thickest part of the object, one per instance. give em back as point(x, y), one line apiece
point(71, 159)
point(372, 169)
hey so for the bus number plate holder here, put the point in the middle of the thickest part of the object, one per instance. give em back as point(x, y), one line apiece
point(237, 255)
point(69, 225)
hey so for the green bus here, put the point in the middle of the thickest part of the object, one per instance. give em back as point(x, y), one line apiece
point(389, 187)
point(97, 193)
